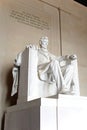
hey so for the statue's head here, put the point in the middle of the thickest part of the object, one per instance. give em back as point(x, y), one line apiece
point(44, 42)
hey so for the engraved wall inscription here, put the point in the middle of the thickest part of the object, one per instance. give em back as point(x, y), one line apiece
point(29, 19)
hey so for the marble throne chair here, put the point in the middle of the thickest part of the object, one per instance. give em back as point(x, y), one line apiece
point(30, 86)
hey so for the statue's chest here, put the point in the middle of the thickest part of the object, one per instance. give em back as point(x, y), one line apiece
point(43, 58)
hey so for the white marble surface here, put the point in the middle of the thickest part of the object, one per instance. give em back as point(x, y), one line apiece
point(72, 113)
point(39, 114)
point(65, 113)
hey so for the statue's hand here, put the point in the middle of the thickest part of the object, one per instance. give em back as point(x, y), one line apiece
point(32, 46)
point(73, 57)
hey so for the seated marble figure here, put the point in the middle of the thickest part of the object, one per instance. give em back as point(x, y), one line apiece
point(61, 71)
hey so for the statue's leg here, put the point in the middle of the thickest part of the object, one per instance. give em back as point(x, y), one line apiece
point(54, 66)
point(68, 75)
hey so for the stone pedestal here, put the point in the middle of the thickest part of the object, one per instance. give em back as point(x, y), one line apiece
point(39, 114)
point(64, 113)
point(72, 113)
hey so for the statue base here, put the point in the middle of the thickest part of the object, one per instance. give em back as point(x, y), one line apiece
point(39, 114)
point(64, 113)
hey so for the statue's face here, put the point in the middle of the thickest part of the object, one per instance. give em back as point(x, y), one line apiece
point(44, 42)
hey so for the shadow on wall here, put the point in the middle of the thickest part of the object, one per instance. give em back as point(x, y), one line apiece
point(9, 100)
